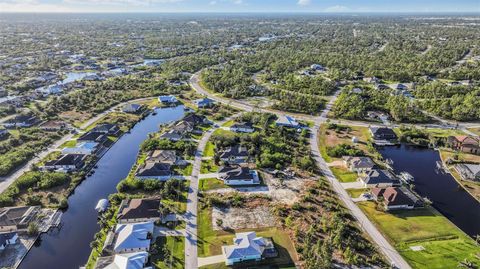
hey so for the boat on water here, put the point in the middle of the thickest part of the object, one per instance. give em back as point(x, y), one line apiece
point(406, 177)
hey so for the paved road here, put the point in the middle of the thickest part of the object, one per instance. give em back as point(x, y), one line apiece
point(6, 181)
point(191, 238)
point(365, 223)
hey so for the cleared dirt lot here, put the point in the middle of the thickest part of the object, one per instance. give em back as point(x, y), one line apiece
point(242, 218)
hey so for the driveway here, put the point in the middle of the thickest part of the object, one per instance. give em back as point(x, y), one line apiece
point(353, 185)
point(202, 261)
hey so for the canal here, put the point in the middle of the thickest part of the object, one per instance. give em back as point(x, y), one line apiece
point(442, 189)
point(69, 247)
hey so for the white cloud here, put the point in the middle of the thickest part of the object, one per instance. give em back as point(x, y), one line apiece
point(121, 2)
point(337, 8)
point(238, 2)
point(304, 2)
point(213, 2)
point(30, 6)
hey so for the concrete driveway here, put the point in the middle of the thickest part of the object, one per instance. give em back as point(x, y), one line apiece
point(210, 260)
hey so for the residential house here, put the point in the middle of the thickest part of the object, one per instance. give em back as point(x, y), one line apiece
point(108, 129)
point(21, 121)
point(154, 170)
point(204, 102)
point(167, 99)
point(357, 90)
point(66, 163)
point(86, 148)
point(468, 171)
point(465, 144)
point(247, 247)
point(378, 178)
point(133, 237)
point(183, 127)
point(3, 133)
point(134, 260)
point(172, 135)
point(195, 119)
point(382, 133)
point(6, 239)
point(287, 121)
point(17, 219)
point(317, 67)
point(53, 126)
point(132, 108)
point(244, 127)
point(358, 164)
point(374, 80)
point(381, 87)
point(3, 92)
point(166, 156)
point(236, 176)
point(139, 210)
point(397, 198)
point(93, 137)
point(234, 154)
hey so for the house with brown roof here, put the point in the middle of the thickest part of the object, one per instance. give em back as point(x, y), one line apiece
point(139, 210)
point(358, 164)
point(53, 126)
point(166, 156)
point(17, 219)
point(464, 143)
point(396, 198)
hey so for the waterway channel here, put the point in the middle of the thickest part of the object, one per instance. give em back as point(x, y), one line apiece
point(68, 247)
point(447, 196)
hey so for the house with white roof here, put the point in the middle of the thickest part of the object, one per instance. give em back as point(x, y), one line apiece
point(87, 148)
point(204, 102)
point(134, 260)
point(167, 99)
point(287, 121)
point(246, 247)
point(133, 237)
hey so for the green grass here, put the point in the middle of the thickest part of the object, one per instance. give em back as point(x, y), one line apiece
point(206, 184)
point(355, 193)
point(445, 245)
point(175, 245)
point(209, 150)
point(344, 175)
point(210, 241)
point(208, 166)
point(69, 144)
point(184, 171)
point(228, 123)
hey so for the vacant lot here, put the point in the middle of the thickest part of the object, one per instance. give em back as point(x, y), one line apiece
point(330, 138)
point(343, 174)
point(242, 218)
point(174, 258)
point(445, 245)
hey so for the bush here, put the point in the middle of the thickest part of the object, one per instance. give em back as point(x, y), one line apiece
point(344, 150)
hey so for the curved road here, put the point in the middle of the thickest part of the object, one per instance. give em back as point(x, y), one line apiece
point(386, 248)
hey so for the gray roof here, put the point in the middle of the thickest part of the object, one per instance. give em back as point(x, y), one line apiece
point(234, 151)
point(245, 244)
point(154, 169)
point(379, 177)
point(359, 162)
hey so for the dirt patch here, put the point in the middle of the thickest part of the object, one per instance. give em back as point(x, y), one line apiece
point(242, 218)
point(285, 190)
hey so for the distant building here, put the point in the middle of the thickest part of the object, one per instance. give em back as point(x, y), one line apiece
point(245, 127)
point(317, 67)
point(468, 171)
point(287, 121)
point(21, 121)
point(108, 129)
point(248, 247)
point(167, 99)
point(465, 144)
point(132, 108)
point(53, 126)
point(371, 80)
point(204, 102)
point(3, 134)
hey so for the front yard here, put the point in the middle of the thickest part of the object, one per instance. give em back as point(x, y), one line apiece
point(168, 252)
point(343, 174)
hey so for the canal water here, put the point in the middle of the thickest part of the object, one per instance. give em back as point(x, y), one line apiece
point(442, 189)
point(69, 247)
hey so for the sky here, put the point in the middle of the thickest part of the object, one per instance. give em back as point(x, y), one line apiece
point(324, 6)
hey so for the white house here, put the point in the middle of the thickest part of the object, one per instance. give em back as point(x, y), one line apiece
point(246, 247)
point(133, 237)
point(246, 127)
point(134, 260)
point(287, 121)
point(236, 176)
point(87, 148)
point(167, 99)
point(7, 239)
point(204, 102)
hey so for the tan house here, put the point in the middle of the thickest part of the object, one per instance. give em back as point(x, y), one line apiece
point(465, 144)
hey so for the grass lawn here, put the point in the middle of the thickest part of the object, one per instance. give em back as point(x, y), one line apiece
point(210, 241)
point(176, 247)
point(206, 184)
point(475, 130)
point(184, 171)
point(209, 150)
point(330, 138)
point(355, 193)
point(228, 123)
point(445, 245)
point(69, 144)
point(343, 174)
point(208, 166)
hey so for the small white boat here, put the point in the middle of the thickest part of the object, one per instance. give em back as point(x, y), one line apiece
point(102, 205)
point(406, 177)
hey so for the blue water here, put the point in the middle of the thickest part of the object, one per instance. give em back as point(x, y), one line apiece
point(69, 247)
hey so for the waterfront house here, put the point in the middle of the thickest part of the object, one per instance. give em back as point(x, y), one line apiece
point(53, 126)
point(93, 137)
point(167, 99)
point(132, 108)
point(17, 219)
point(396, 198)
point(183, 127)
point(108, 129)
point(382, 133)
point(464, 143)
point(66, 163)
point(195, 119)
point(287, 121)
point(378, 178)
point(244, 127)
point(172, 135)
point(134, 260)
point(133, 237)
point(358, 164)
point(154, 170)
point(468, 171)
point(139, 210)
point(21, 121)
point(165, 156)
point(234, 154)
point(9, 238)
point(235, 176)
point(86, 148)
point(248, 247)
point(204, 102)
